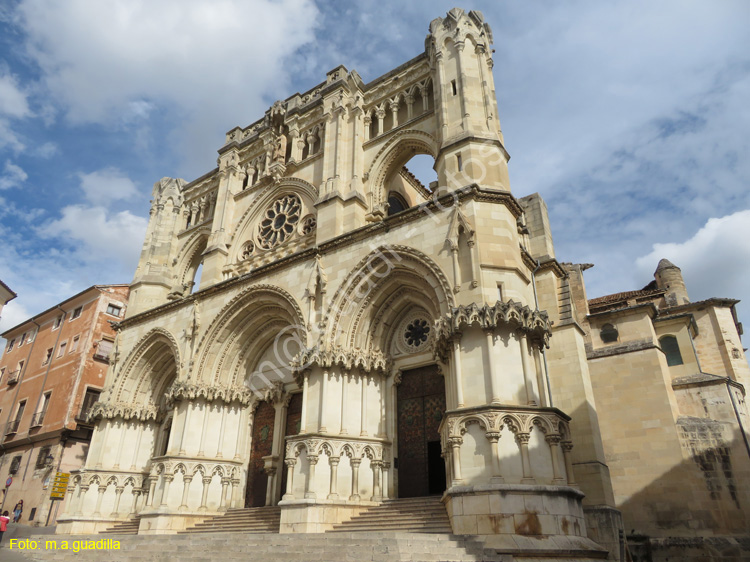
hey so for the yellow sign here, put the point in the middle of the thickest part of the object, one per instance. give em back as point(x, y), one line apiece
point(59, 485)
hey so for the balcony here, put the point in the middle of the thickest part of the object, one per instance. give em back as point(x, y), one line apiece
point(37, 419)
point(12, 427)
point(14, 376)
point(83, 414)
point(102, 357)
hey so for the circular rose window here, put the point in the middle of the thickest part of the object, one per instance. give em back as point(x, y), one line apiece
point(414, 332)
point(279, 221)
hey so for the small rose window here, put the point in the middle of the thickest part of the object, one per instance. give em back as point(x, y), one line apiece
point(417, 332)
point(279, 221)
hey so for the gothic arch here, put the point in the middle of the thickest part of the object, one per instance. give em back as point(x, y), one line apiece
point(399, 149)
point(149, 369)
point(360, 304)
point(191, 255)
point(243, 330)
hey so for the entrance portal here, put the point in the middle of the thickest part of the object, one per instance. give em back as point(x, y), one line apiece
point(421, 405)
point(261, 446)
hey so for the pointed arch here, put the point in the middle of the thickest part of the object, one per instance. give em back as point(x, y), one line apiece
point(364, 304)
point(150, 368)
point(246, 327)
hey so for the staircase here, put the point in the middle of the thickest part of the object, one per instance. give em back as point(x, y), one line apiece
point(129, 527)
point(409, 515)
point(248, 520)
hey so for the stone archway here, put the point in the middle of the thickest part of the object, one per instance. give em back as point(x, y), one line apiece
point(420, 407)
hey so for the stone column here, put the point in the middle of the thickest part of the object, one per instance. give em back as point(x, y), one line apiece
point(323, 403)
point(223, 501)
point(531, 398)
point(296, 154)
point(138, 436)
point(523, 442)
point(380, 114)
point(393, 106)
point(409, 106)
point(462, 83)
point(386, 491)
point(102, 489)
point(455, 443)
point(103, 443)
point(355, 479)
point(240, 433)
point(118, 455)
point(134, 507)
point(494, 379)
point(363, 417)
point(310, 144)
point(235, 487)
point(540, 377)
point(333, 484)
point(343, 430)
point(165, 493)
point(376, 467)
point(554, 447)
point(220, 446)
point(383, 412)
point(456, 269)
point(82, 489)
point(270, 477)
point(305, 396)
point(457, 372)
point(289, 495)
point(151, 492)
point(367, 122)
point(497, 475)
point(188, 408)
point(312, 461)
point(186, 480)
point(118, 496)
point(204, 428)
point(441, 87)
point(204, 495)
point(567, 446)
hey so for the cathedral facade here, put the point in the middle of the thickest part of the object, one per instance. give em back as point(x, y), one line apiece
point(312, 328)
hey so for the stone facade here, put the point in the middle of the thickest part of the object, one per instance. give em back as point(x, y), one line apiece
point(339, 351)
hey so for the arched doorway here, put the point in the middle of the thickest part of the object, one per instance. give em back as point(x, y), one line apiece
point(421, 405)
point(261, 446)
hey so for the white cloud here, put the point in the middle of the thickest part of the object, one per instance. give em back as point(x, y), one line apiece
point(46, 150)
point(9, 138)
point(13, 176)
point(100, 236)
point(119, 60)
point(715, 262)
point(103, 187)
point(13, 101)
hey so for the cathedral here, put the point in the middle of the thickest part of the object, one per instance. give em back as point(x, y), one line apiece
point(310, 328)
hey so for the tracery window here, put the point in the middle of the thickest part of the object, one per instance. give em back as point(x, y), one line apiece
point(609, 333)
point(279, 221)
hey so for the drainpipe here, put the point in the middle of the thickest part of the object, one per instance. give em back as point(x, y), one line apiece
point(544, 355)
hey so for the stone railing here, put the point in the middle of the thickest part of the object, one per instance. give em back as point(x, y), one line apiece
point(526, 445)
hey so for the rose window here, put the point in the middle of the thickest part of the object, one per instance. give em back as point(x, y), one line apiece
point(417, 332)
point(279, 221)
point(308, 225)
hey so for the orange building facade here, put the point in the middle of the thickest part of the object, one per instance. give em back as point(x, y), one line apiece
point(51, 373)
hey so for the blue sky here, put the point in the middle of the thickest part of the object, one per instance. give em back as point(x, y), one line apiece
point(630, 118)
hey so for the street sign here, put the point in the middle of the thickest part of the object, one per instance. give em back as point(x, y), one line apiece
point(8, 482)
point(59, 485)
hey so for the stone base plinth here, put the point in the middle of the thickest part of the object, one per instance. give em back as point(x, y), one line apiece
point(165, 523)
point(85, 526)
point(317, 516)
point(515, 509)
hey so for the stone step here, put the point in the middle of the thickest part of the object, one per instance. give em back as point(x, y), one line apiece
point(129, 527)
point(252, 520)
point(426, 514)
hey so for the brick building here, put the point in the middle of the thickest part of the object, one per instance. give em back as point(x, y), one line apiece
point(51, 373)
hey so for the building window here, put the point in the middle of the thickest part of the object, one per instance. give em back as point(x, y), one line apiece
point(91, 398)
point(47, 356)
point(11, 344)
point(22, 340)
point(500, 292)
point(114, 310)
point(61, 352)
point(74, 344)
point(15, 464)
point(103, 350)
point(609, 333)
point(13, 424)
point(38, 418)
point(41, 459)
point(76, 313)
point(671, 349)
point(2, 373)
point(58, 321)
point(396, 203)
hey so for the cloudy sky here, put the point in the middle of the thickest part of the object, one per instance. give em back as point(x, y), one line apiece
point(630, 118)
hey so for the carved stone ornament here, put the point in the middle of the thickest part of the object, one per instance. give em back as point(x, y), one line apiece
point(279, 221)
point(365, 361)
